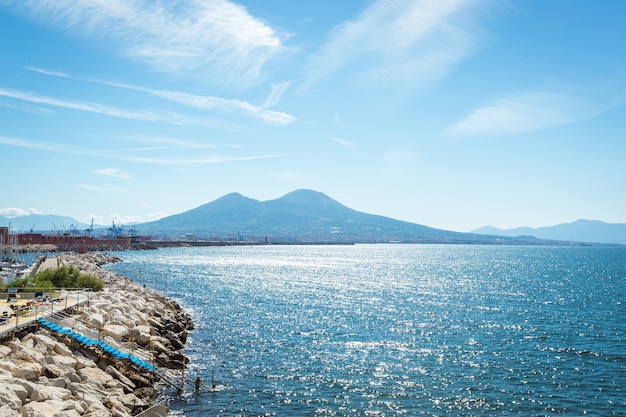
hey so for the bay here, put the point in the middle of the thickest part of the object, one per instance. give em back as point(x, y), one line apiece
point(390, 330)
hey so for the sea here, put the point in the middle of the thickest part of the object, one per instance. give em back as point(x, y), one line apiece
point(397, 330)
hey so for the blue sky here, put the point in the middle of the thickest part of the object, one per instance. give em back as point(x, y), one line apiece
point(453, 114)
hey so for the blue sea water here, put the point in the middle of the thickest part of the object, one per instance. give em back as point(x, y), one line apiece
point(398, 330)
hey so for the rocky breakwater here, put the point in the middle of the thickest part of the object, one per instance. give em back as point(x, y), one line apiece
point(43, 373)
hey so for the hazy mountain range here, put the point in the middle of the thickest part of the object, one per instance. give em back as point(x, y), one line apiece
point(580, 231)
point(306, 216)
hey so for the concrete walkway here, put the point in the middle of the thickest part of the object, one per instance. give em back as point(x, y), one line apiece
point(51, 262)
point(24, 311)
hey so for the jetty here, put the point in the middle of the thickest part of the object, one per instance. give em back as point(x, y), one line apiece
point(115, 352)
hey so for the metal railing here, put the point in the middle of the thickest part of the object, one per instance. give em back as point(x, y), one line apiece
point(128, 346)
point(16, 315)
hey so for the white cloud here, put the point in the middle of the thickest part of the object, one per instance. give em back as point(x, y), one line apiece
point(214, 103)
point(11, 212)
point(216, 40)
point(217, 104)
point(415, 41)
point(343, 142)
point(113, 172)
point(77, 105)
point(278, 89)
point(27, 108)
point(521, 113)
point(209, 159)
point(107, 219)
point(146, 116)
point(101, 188)
point(42, 146)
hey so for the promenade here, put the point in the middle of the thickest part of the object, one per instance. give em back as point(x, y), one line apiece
point(24, 309)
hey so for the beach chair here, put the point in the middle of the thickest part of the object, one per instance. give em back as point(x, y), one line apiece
point(12, 295)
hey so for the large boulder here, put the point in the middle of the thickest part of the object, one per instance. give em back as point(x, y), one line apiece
point(140, 334)
point(69, 413)
point(62, 361)
point(43, 408)
point(49, 393)
point(116, 331)
point(96, 320)
point(4, 351)
point(12, 395)
point(126, 383)
point(45, 339)
point(94, 376)
point(62, 349)
point(6, 409)
point(19, 369)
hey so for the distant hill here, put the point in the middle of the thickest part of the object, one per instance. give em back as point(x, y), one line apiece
point(303, 216)
point(592, 231)
point(43, 223)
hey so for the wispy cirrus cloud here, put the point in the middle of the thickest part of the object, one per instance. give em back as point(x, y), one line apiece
point(217, 104)
point(101, 188)
point(113, 172)
point(199, 160)
point(215, 40)
point(39, 146)
point(415, 41)
point(146, 116)
point(524, 112)
point(122, 156)
point(343, 142)
point(78, 105)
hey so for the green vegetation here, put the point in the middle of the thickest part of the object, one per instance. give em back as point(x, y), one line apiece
point(62, 277)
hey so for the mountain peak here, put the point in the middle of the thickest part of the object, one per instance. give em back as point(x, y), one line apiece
point(307, 197)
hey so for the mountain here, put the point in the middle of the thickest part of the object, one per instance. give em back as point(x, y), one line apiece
point(593, 231)
point(299, 217)
point(42, 223)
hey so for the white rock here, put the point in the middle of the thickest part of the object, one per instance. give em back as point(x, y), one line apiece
point(26, 370)
point(26, 354)
point(96, 320)
point(9, 396)
point(29, 371)
point(117, 332)
point(82, 362)
point(62, 361)
point(88, 395)
point(69, 413)
point(94, 375)
point(62, 349)
point(49, 393)
point(4, 351)
point(20, 391)
point(45, 339)
point(58, 382)
point(141, 334)
point(77, 405)
point(43, 409)
point(7, 411)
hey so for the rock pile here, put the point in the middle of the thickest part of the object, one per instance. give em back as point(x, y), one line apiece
point(44, 374)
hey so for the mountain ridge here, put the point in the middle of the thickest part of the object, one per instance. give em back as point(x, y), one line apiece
point(581, 230)
point(305, 216)
point(312, 216)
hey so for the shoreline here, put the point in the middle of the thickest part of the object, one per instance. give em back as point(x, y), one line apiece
point(43, 372)
point(158, 244)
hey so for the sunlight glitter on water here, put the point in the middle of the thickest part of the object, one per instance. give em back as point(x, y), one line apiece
point(399, 330)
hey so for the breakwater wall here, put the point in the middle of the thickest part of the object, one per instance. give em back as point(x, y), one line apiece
point(48, 373)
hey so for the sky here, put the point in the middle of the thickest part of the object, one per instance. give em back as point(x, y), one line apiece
point(453, 114)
